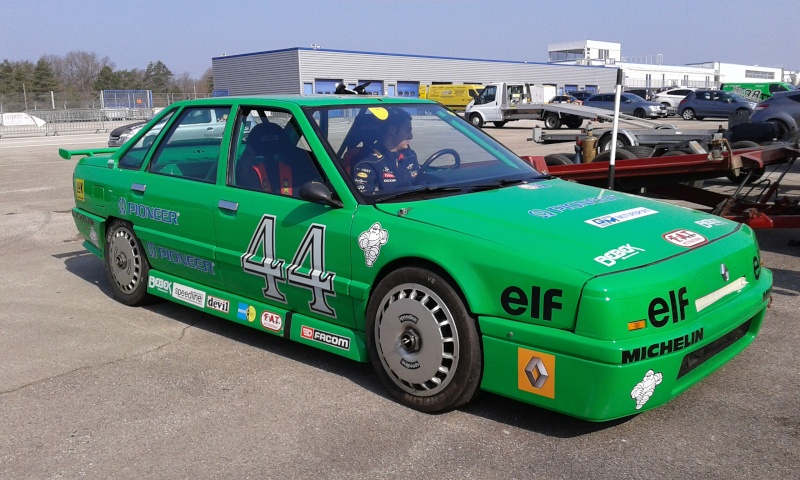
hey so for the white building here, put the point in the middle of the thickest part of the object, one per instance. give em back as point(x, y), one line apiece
point(653, 73)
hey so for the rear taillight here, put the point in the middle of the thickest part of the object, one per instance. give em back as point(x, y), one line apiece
point(761, 106)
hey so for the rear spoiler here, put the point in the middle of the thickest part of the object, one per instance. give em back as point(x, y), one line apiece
point(67, 154)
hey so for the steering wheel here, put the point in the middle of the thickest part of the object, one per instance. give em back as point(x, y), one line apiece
point(445, 151)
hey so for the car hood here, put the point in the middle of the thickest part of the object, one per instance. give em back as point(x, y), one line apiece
point(592, 230)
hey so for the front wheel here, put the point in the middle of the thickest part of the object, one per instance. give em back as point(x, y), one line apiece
point(126, 265)
point(499, 124)
point(476, 120)
point(639, 113)
point(422, 341)
point(552, 122)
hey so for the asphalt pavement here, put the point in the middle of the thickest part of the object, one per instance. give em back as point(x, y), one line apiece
point(90, 388)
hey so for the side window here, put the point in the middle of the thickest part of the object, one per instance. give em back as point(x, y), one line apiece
point(271, 154)
point(191, 147)
point(488, 94)
point(776, 87)
point(134, 157)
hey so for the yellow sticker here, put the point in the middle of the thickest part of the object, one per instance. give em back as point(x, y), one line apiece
point(79, 189)
point(379, 112)
point(536, 372)
point(362, 175)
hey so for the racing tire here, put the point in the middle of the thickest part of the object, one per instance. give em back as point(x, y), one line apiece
point(641, 151)
point(557, 159)
point(126, 265)
point(552, 122)
point(639, 113)
point(476, 120)
point(688, 114)
point(622, 154)
point(604, 143)
point(573, 122)
point(757, 173)
point(499, 124)
point(423, 343)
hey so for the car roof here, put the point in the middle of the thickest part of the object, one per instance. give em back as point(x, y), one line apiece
point(307, 100)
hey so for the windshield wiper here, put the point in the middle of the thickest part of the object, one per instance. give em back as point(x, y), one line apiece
point(504, 182)
point(419, 191)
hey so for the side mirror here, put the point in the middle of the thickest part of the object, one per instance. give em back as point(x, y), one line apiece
point(318, 193)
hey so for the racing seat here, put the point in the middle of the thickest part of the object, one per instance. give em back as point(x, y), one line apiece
point(271, 162)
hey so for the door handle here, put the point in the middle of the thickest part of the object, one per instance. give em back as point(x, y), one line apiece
point(138, 187)
point(228, 205)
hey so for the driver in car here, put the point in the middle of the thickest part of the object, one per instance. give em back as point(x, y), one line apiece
point(390, 161)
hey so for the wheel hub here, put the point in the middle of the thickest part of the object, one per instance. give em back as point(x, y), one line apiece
point(410, 341)
point(121, 261)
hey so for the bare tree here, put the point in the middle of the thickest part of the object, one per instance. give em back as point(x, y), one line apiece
point(80, 69)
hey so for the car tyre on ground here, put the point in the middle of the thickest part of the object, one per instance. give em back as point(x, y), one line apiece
point(476, 120)
point(688, 114)
point(126, 265)
point(423, 343)
point(552, 121)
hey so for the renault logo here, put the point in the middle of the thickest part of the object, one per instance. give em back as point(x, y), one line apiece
point(723, 270)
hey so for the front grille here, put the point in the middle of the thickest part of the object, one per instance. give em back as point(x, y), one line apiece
point(696, 358)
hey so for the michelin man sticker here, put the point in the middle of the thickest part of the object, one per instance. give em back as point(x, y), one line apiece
point(371, 241)
point(644, 389)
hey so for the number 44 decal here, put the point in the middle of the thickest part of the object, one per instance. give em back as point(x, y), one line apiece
point(274, 270)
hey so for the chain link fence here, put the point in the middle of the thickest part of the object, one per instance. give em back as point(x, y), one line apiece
point(75, 112)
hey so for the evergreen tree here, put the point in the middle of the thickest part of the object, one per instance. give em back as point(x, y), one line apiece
point(158, 78)
point(44, 81)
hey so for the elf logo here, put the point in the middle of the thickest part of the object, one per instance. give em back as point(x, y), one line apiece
point(541, 304)
point(662, 310)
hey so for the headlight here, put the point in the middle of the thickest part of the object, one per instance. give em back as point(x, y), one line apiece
point(655, 108)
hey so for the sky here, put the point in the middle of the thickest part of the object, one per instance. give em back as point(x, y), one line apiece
point(186, 35)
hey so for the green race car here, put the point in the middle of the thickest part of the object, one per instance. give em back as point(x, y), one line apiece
point(392, 231)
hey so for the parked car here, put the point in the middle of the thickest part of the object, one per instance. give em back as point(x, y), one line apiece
point(565, 99)
point(783, 110)
point(672, 97)
point(580, 94)
point(714, 103)
point(435, 273)
point(629, 104)
point(122, 134)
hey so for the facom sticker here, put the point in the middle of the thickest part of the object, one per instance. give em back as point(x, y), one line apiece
point(271, 321)
point(331, 339)
point(645, 389)
point(684, 238)
point(189, 295)
point(619, 217)
point(371, 241)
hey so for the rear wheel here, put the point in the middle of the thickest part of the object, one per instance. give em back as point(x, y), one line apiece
point(573, 122)
point(476, 120)
point(499, 124)
point(126, 265)
point(688, 114)
point(423, 343)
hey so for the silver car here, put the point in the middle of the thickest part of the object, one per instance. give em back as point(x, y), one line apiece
point(629, 104)
point(672, 97)
point(782, 109)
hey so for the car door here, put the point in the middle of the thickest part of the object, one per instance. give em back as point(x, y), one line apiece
point(703, 105)
point(273, 247)
point(170, 198)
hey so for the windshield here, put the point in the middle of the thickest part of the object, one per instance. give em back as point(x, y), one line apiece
point(415, 149)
